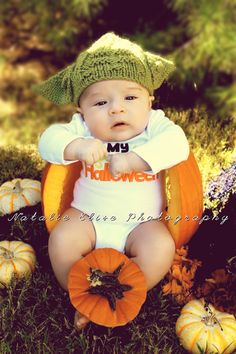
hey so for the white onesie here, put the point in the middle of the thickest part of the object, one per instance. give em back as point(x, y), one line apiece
point(116, 205)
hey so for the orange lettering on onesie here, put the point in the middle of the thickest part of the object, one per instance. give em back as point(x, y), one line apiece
point(105, 175)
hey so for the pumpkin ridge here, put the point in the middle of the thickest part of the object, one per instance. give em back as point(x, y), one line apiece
point(185, 326)
point(14, 266)
point(13, 248)
point(226, 325)
point(79, 295)
point(25, 199)
point(130, 275)
point(195, 339)
point(25, 250)
point(121, 311)
point(29, 263)
point(33, 189)
point(12, 202)
point(4, 195)
point(131, 301)
point(92, 308)
point(208, 339)
point(189, 313)
point(222, 340)
point(222, 318)
point(107, 312)
point(193, 308)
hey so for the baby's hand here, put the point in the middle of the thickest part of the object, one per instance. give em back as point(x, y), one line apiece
point(119, 163)
point(125, 163)
point(91, 151)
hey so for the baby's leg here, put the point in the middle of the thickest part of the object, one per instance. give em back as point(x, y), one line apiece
point(152, 247)
point(68, 242)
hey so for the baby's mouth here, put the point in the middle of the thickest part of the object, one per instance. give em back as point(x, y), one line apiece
point(119, 124)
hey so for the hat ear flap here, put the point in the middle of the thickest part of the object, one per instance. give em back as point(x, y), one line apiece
point(58, 88)
point(160, 68)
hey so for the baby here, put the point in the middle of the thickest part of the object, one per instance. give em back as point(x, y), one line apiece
point(124, 146)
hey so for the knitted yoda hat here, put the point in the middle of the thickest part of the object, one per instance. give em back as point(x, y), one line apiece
point(110, 57)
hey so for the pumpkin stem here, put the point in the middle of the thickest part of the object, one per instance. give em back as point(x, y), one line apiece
point(17, 188)
point(6, 253)
point(210, 319)
point(107, 285)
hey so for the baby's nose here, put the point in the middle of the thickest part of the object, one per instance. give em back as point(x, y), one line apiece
point(116, 107)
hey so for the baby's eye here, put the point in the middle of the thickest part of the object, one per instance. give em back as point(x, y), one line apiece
point(130, 98)
point(100, 103)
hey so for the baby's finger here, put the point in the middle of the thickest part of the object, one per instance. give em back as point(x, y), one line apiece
point(89, 161)
point(96, 156)
point(105, 153)
point(99, 155)
point(102, 154)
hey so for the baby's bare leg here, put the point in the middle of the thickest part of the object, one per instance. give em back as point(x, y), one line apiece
point(69, 241)
point(151, 246)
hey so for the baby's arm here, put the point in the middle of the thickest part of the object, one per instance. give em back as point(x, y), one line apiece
point(121, 163)
point(87, 150)
point(68, 143)
point(167, 147)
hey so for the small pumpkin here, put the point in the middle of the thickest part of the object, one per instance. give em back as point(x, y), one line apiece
point(19, 193)
point(107, 287)
point(200, 325)
point(16, 258)
point(186, 195)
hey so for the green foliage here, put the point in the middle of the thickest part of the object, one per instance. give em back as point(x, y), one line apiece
point(20, 162)
point(208, 53)
point(53, 26)
point(223, 97)
point(198, 35)
point(201, 41)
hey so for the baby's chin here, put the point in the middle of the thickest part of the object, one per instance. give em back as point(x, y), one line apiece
point(118, 136)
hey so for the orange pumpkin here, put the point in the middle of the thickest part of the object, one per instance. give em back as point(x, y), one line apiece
point(186, 199)
point(107, 287)
point(186, 195)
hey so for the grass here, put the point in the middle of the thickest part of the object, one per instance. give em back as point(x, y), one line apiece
point(36, 315)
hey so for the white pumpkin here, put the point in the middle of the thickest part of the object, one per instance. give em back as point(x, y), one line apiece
point(202, 325)
point(19, 193)
point(16, 258)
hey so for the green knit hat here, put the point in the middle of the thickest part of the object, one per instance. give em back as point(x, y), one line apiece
point(110, 57)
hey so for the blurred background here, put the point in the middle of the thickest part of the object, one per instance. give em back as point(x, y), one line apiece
point(40, 37)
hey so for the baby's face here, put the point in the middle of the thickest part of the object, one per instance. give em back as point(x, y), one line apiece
point(115, 110)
